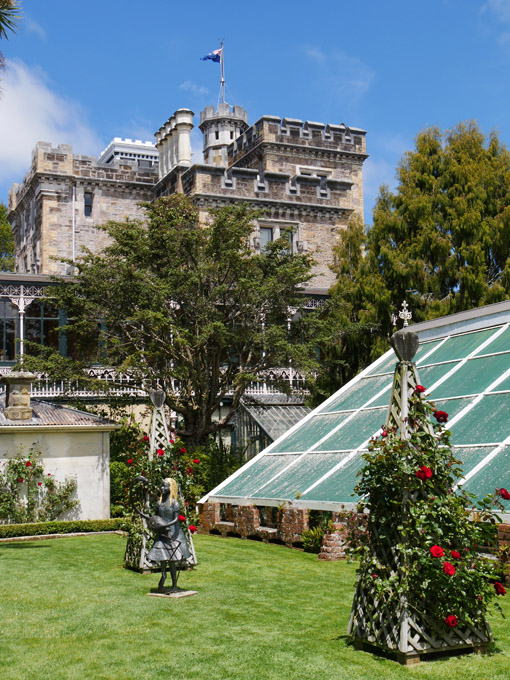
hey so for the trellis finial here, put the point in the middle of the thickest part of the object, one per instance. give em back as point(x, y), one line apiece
point(405, 314)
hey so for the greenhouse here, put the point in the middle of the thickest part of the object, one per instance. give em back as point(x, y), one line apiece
point(464, 363)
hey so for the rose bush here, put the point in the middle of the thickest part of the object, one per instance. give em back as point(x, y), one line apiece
point(417, 516)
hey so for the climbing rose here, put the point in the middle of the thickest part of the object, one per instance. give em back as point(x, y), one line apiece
point(504, 494)
point(29, 464)
point(196, 461)
point(424, 473)
point(384, 432)
point(129, 460)
point(448, 568)
point(20, 480)
point(436, 551)
point(189, 471)
point(182, 518)
point(375, 576)
point(455, 555)
point(39, 483)
point(160, 452)
point(182, 450)
point(172, 441)
point(499, 588)
point(419, 388)
point(49, 474)
point(440, 416)
point(146, 439)
point(451, 621)
point(192, 528)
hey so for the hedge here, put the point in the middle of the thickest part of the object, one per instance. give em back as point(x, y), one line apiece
point(72, 527)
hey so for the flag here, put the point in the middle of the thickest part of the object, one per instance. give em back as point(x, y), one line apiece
point(215, 55)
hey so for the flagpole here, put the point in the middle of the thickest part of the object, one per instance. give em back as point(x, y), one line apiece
point(222, 74)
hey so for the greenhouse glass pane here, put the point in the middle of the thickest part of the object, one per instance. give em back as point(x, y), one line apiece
point(503, 385)
point(474, 376)
point(360, 428)
point(471, 456)
point(260, 472)
point(486, 423)
point(460, 346)
point(500, 344)
point(300, 476)
point(339, 487)
point(359, 393)
point(310, 432)
point(387, 366)
point(452, 407)
point(431, 374)
point(492, 476)
point(384, 398)
point(425, 348)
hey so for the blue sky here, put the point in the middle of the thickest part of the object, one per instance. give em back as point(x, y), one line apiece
point(85, 71)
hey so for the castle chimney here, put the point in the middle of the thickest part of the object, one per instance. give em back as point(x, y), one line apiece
point(17, 398)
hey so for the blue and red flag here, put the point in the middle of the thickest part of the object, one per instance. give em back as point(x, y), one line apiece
point(215, 55)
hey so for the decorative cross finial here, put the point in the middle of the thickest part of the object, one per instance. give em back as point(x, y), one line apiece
point(405, 314)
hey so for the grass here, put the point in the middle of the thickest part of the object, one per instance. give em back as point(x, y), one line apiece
point(69, 611)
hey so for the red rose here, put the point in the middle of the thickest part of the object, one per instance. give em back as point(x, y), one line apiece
point(384, 432)
point(448, 569)
point(182, 450)
point(424, 473)
point(172, 441)
point(146, 439)
point(29, 464)
point(20, 480)
point(182, 518)
point(196, 461)
point(499, 588)
point(129, 460)
point(375, 575)
point(455, 554)
point(504, 494)
point(39, 483)
point(440, 416)
point(192, 528)
point(419, 388)
point(49, 474)
point(451, 621)
point(160, 452)
point(189, 471)
point(186, 503)
point(436, 551)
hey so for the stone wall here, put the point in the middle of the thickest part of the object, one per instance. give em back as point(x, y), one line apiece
point(244, 521)
point(41, 209)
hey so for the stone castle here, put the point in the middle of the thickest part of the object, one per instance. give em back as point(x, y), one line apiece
point(305, 176)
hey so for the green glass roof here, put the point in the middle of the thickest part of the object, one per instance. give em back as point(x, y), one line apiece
point(463, 361)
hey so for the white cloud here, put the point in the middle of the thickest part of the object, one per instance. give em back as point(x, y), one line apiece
point(340, 74)
point(32, 26)
point(500, 8)
point(30, 112)
point(193, 88)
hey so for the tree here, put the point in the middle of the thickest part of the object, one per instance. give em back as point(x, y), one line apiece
point(441, 241)
point(9, 15)
point(6, 242)
point(189, 307)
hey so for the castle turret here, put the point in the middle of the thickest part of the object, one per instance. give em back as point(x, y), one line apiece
point(173, 141)
point(220, 128)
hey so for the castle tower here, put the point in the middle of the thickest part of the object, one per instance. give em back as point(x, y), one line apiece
point(220, 128)
point(173, 141)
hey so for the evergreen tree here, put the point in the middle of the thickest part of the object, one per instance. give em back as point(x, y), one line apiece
point(189, 308)
point(6, 242)
point(441, 241)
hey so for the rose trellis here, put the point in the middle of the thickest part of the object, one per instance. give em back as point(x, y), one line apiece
point(424, 582)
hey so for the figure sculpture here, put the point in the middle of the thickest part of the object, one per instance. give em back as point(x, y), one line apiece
point(170, 547)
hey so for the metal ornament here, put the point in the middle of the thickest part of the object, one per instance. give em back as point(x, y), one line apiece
point(405, 314)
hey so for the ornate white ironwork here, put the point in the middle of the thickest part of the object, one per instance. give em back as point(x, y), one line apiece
point(405, 314)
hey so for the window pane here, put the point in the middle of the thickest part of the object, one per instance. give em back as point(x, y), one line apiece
point(266, 236)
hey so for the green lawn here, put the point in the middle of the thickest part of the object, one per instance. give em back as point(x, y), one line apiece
point(68, 610)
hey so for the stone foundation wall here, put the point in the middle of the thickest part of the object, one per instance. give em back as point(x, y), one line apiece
point(244, 521)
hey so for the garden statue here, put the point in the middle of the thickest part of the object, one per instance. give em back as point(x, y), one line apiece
point(170, 549)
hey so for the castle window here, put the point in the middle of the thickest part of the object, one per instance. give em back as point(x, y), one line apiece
point(217, 134)
point(231, 134)
point(266, 236)
point(88, 203)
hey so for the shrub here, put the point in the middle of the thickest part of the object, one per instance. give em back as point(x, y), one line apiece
point(312, 539)
point(29, 494)
point(72, 527)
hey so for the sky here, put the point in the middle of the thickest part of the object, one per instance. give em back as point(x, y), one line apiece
point(85, 71)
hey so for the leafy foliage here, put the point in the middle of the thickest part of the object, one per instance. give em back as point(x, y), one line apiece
point(441, 241)
point(417, 518)
point(189, 307)
point(29, 494)
point(6, 242)
point(64, 527)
